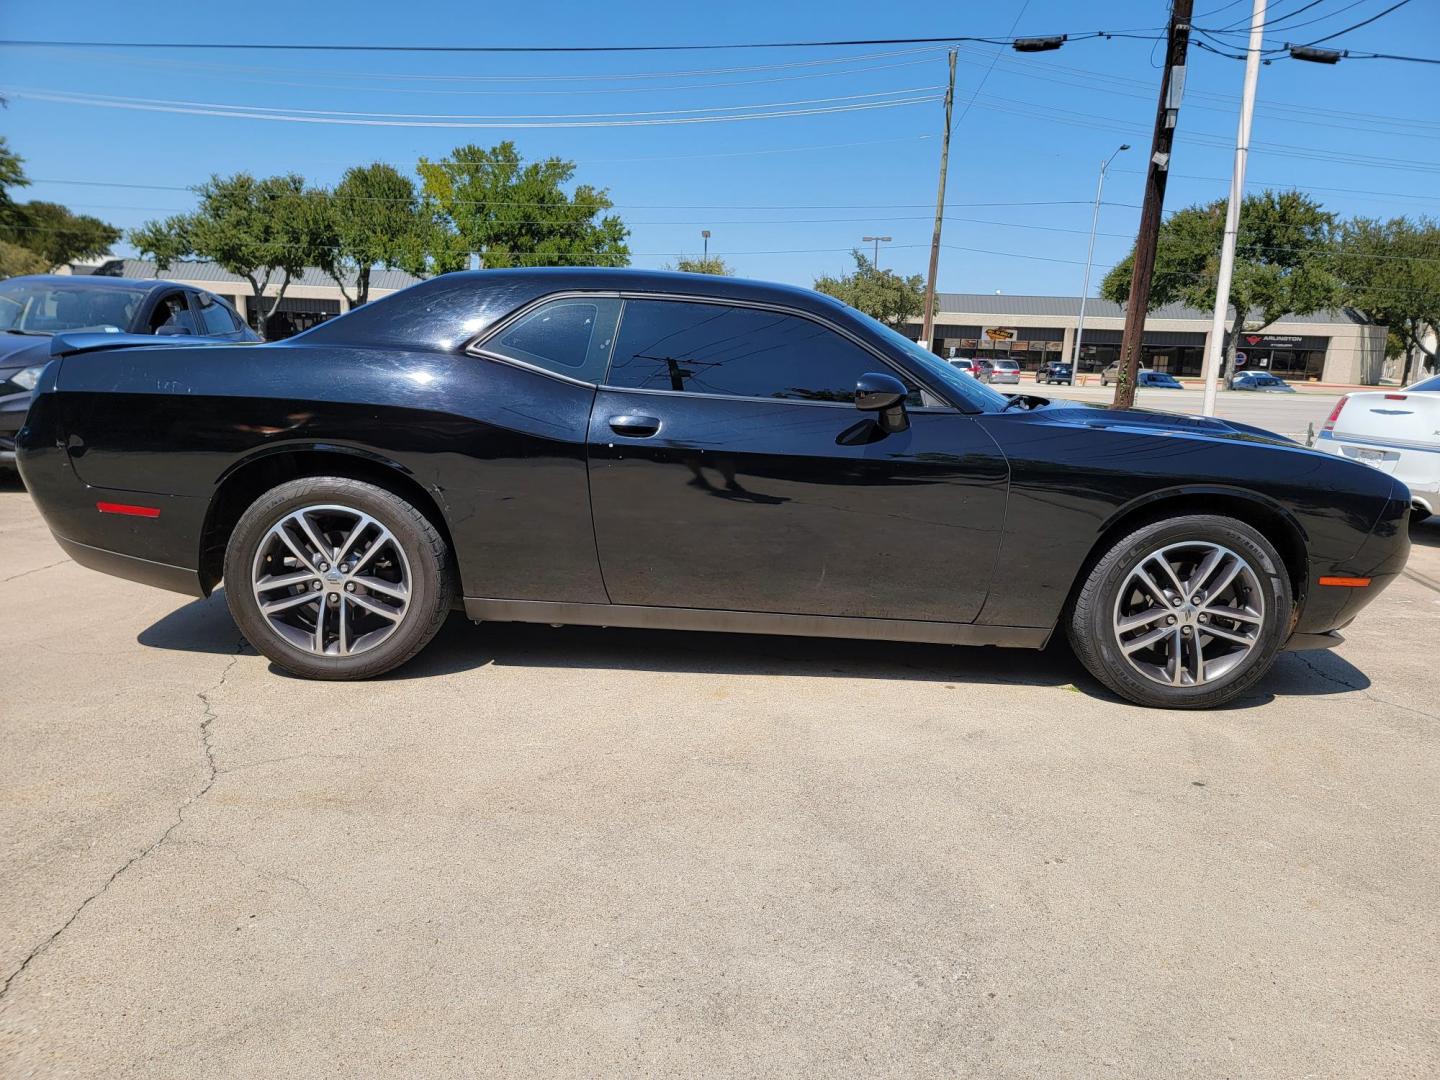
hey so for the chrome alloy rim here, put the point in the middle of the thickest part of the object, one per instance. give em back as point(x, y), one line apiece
point(1189, 613)
point(331, 580)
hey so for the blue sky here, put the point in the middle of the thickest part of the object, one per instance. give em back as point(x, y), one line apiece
point(784, 197)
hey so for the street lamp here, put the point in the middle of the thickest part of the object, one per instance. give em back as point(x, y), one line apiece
point(705, 236)
point(1089, 258)
point(878, 241)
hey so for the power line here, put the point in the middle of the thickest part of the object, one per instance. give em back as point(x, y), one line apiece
point(198, 109)
point(1357, 26)
point(551, 49)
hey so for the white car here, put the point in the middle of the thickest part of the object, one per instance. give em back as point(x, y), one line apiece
point(1397, 432)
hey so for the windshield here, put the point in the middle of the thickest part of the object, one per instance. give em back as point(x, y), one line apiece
point(1007, 365)
point(1429, 385)
point(1266, 380)
point(942, 373)
point(47, 307)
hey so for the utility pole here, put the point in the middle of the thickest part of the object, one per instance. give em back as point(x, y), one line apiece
point(878, 241)
point(1216, 351)
point(927, 332)
point(1089, 259)
point(1167, 114)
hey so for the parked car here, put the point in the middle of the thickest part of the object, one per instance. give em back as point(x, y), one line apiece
point(627, 448)
point(1056, 371)
point(1161, 379)
point(1002, 371)
point(1112, 374)
point(1261, 382)
point(1396, 432)
point(34, 307)
point(961, 363)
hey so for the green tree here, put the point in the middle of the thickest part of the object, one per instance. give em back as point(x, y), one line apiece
point(56, 234)
point(16, 260)
point(702, 264)
point(1283, 261)
point(1390, 275)
point(266, 231)
point(374, 221)
point(50, 233)
point(490, 203)
point(881, 294)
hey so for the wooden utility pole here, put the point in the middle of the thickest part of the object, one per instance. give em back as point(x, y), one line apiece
point(1167, 114)
point(928, 331)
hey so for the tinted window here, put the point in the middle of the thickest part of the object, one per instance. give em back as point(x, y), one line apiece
point(216, 317)
point(736, 351)
point(172, 310)
point(1429, 385)
point(570, 337)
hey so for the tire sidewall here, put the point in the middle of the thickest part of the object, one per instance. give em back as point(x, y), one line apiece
point(427, 579)
point(1116, 567)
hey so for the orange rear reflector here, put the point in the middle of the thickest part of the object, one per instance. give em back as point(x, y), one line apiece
point(126, 508)
point(1346, 582)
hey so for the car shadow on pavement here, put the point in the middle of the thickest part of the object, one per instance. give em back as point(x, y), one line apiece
point(206, 626)
point(10, 480)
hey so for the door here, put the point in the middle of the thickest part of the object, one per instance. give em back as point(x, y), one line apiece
point(729, 469)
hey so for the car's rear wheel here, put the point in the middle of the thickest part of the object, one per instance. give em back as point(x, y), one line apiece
point(333, 578)
point(1186, 613)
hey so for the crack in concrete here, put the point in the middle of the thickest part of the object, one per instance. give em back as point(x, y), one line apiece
point(207, 720)
point(1363, 691)
point(34, 570)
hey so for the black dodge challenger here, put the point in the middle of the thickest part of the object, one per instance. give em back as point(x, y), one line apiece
point(624, 448)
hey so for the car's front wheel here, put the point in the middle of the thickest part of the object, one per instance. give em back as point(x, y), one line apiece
point(1185, 613)
point(333, 578)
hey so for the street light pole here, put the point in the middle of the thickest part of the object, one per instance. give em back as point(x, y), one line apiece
point(1089, 259)
point(878, 241)
point(1215, 353)
point(705, 237)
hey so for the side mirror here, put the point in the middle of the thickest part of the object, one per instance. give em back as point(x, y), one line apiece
point(172, 330)
point(885, 394)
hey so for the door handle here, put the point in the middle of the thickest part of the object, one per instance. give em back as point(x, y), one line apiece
point(634, 427)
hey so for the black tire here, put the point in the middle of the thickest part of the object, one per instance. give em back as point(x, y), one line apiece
point(427, 559)
point(1093, 617)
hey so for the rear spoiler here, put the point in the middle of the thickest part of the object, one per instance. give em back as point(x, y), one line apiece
point(93, 341)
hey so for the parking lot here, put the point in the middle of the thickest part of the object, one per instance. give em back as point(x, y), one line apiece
point(580, 852)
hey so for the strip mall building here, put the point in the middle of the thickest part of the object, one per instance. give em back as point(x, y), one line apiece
point(1332, 347)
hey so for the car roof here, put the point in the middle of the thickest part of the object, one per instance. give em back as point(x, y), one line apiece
point(102, 282)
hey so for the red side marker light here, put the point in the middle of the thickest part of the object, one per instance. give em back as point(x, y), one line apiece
point(126, 508)
point(1346, 582)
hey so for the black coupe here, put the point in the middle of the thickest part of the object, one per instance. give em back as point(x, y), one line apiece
point(623, 448)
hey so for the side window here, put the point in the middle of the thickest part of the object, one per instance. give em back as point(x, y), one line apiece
point(569, 337)
point(172, 310)
point(736, 351)
point(215, 316)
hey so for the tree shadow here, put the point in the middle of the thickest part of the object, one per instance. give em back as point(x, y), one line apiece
point(206, 626)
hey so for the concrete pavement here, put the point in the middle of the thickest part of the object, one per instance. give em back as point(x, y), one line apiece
point(581, 853)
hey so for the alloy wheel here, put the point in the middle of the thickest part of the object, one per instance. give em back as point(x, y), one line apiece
point(1189, 613)
point(331, 580)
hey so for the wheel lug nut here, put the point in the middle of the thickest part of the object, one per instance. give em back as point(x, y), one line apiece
point(334, 598)
point(323, 567)
point(1170, 621)
point(1185, 630)
point(350, 586)
point(316, 586)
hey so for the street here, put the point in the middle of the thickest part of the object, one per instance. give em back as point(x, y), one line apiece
point(1285, 414)
point(581, 852)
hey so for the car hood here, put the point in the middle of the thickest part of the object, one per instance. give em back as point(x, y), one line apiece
point(21, 351)
point(1099, 416)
